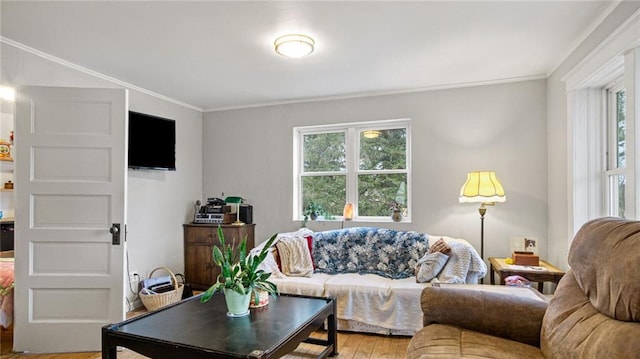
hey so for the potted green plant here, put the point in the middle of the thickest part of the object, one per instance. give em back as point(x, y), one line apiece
point(239, 274)
point(256, 279)
point(312, 211)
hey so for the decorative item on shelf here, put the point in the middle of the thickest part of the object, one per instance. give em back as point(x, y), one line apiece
point(347, 213)
point(196, 209)
point(8, 185)
point(525, 259)
point(239, 276)
point(312, 211)
point(396, 211)
point(483, 188)
point(5, 151)
point(237, 201)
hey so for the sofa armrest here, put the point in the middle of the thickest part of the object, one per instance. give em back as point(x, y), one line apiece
point(508, 316)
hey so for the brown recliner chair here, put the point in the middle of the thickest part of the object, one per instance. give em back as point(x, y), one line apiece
point(595, 312)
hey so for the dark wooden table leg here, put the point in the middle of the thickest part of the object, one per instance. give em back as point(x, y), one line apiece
point(493, 275)
point(333, 330)
point(503, 275)
point(108, 349)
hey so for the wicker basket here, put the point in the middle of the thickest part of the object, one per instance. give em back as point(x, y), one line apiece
point(157, 301)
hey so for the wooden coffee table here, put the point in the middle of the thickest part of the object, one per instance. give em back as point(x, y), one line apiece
point(190, 329)
point(548, 273)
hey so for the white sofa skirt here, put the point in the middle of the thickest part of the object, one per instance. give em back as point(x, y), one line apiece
point(365, 302)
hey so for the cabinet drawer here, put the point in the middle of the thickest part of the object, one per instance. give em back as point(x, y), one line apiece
point(201, 235)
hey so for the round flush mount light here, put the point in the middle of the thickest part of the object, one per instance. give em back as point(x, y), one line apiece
point(371, 133)
point(294, 45)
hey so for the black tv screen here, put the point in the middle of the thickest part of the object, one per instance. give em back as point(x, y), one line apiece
point(152, 142)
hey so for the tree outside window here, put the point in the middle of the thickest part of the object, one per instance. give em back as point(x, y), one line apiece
point(363, 163)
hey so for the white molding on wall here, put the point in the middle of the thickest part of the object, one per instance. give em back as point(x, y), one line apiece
point(585, 34)
point(632, 86)
point(621, 40)
point(584, 112)
point(383, 93)
point(99, 75)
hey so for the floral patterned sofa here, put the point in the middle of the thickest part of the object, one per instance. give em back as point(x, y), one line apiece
point(371, 273)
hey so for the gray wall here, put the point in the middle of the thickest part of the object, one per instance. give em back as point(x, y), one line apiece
point(559, 173)
point(158, 202)
point(502, 128)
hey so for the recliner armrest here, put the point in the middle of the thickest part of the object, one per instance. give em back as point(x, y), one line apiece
point(508, 316)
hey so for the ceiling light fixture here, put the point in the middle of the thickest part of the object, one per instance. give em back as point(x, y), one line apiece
point(294, 45)
point(371, 133)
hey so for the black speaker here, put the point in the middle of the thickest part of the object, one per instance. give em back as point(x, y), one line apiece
point(246, 213)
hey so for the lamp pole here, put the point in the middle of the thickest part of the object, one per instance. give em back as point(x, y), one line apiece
point(482, 211)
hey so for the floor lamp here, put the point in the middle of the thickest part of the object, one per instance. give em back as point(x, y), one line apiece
point(483, 188)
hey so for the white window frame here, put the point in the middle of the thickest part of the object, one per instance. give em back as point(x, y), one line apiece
point(587, 127)
point(352, 138)
point(612, 170)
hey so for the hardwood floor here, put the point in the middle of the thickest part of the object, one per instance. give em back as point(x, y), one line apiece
point(350, 346)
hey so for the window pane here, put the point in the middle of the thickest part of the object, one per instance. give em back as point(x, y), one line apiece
point(377, 191)
point(617, 184)
point(383, 149)
point(327, 191)
point(621, 128)
point(324, 152)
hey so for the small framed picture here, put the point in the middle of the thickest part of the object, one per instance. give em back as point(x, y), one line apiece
point(524, 244)
point(530, 245)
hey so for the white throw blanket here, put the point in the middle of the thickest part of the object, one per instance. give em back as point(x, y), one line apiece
point(295, 259)
point(464, 264)
point(269, 264)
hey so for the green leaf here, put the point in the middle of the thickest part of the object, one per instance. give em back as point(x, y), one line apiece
point(217, 256)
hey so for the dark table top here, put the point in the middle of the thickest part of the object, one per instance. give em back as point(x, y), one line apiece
point(207, 326)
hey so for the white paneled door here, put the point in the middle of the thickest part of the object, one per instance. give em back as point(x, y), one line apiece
point(71, 191)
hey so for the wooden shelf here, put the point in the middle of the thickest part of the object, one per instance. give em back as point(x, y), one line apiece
point(6, 166)
point(6, 190)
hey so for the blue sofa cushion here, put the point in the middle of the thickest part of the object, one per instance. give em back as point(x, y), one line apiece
point(385, 252)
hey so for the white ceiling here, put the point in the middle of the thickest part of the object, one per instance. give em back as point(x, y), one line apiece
point(219, 55)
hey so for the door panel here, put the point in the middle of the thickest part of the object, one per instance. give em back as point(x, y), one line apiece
point(70, 188)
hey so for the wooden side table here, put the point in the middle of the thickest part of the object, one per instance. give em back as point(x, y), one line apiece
point(549, 273)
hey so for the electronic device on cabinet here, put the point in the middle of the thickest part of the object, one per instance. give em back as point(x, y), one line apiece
point(217, 211)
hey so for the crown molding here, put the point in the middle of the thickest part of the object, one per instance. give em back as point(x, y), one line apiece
point(382, 93)
point(93, 73)
point(585, 34)
point(622, 39)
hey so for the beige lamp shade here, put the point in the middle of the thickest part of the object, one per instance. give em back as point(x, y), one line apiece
point(347, 212)
point(482, 187)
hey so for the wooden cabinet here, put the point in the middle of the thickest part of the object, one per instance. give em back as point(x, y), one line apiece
point(199, 240)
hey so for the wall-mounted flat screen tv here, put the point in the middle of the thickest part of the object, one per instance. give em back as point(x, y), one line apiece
point(152, 142)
